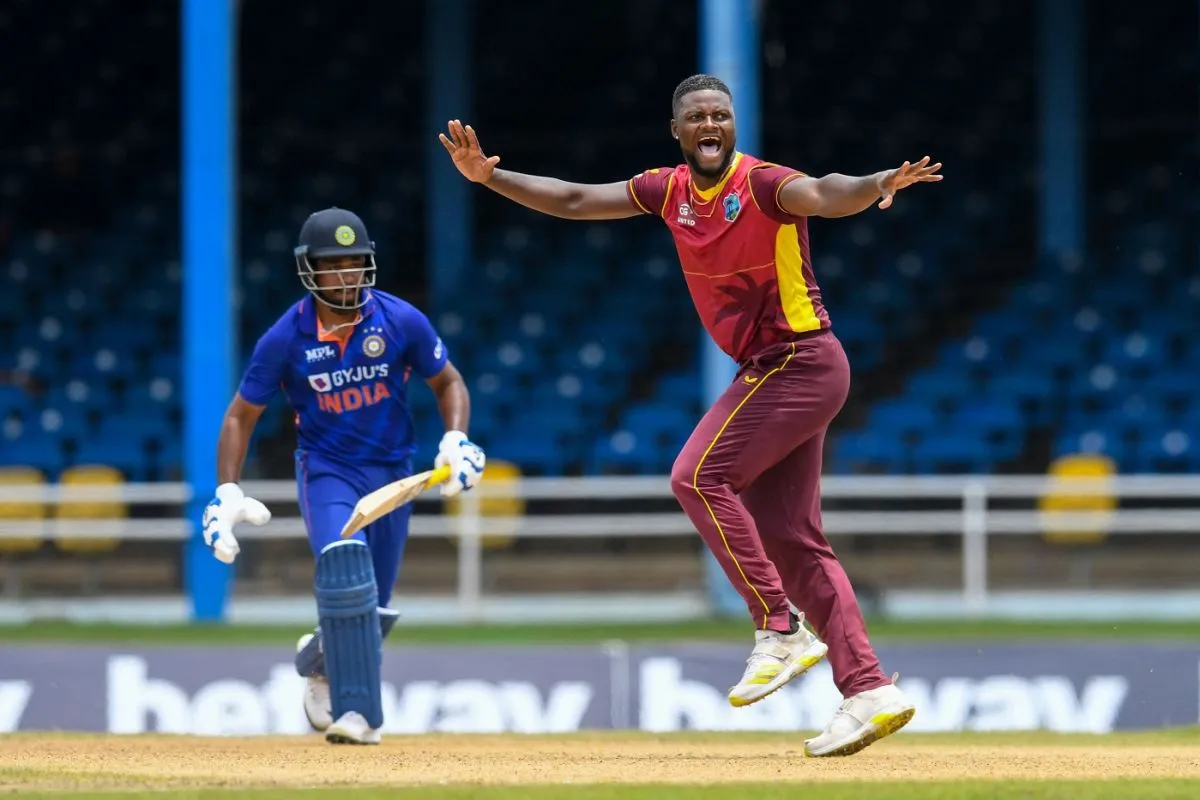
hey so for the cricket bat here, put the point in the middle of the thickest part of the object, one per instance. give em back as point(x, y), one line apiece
point(387, 499)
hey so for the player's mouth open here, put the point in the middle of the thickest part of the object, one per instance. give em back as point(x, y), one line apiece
point(709, 146)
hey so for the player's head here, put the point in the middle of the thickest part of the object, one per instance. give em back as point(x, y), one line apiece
point(335, 258)
point(702, 121)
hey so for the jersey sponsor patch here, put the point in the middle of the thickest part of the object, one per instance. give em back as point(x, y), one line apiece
point(314, 354)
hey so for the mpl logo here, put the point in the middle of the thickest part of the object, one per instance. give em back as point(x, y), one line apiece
point(686, 215)
point(314, 354)
point(320, 382)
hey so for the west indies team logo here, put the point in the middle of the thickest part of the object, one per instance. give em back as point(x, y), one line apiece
point(732, 205)
point(374, 345)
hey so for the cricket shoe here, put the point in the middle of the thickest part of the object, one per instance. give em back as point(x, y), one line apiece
point(863, 720)
point(318, 705)
point(351, 728)
point(776, 659)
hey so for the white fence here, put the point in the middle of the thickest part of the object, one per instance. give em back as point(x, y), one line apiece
point(972, 516)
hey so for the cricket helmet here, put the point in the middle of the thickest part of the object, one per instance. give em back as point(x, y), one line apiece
point(331, 233)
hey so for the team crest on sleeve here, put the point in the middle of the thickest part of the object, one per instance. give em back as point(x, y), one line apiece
point(732, 205)
point(374, 345)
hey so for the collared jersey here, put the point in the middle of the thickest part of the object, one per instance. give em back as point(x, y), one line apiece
point(746, 261)
point(350, 397)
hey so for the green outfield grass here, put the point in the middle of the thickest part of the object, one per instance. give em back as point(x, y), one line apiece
point(955, 790)
point(591, 633)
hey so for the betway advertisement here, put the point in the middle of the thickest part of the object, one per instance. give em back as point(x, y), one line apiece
point(238, 691)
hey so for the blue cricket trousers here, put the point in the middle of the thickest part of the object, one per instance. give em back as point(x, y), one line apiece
point(328, 490)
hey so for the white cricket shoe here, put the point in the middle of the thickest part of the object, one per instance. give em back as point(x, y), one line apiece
point(318, 706)
point(862, 720)
point(776, 659)
point(351, 728)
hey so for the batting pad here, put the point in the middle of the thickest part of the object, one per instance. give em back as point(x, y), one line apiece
point(310, 661)
point(347, 608)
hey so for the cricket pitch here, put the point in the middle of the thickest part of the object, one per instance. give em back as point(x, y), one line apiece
point(68, 763)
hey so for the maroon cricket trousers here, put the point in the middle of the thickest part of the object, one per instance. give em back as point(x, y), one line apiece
point(749, 479)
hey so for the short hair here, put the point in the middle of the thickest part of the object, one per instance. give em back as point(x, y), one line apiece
point(697, 83)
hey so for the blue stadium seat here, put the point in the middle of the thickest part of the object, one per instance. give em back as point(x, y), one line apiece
point(876, 450)
point(903, 416)
point(625, 453)
point(33, 447)
point(15, 400)
point(952, 451)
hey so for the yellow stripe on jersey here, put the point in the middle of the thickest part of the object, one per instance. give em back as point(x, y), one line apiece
point(793, 289)
point(709, 194)
point(637, 200)
point(662, 212)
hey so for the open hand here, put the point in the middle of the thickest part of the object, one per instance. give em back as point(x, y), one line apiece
point(463, 146)
point(894, 180)
point(229, 507)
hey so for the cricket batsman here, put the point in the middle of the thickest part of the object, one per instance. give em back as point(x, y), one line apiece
point(342, 356)
point(749, 475)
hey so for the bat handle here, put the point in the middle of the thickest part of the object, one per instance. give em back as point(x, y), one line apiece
point(439, 476)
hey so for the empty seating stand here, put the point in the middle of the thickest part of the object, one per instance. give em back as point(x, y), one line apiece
point(578, 339)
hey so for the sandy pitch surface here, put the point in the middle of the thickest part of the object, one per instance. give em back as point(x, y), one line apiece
point(48, 760)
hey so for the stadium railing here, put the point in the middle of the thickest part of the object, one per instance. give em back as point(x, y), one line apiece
point(879, 505)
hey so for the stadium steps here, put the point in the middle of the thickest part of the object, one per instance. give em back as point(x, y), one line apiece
point(983, 285)
point(63, 576)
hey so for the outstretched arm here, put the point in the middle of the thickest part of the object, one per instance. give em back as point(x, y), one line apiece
point(836, 195)
point(547, 195)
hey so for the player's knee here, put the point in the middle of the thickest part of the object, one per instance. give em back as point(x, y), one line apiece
point(684, 473)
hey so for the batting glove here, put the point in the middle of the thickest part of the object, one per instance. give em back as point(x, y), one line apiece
point(466, 461)
point(224, 511)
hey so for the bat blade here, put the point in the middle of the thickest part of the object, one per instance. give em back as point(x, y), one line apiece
point(387, 499)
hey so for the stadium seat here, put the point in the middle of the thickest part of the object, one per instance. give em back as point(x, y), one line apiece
point(109, 515)
point(15, 511)
point(1065, 472)
point(503, 502)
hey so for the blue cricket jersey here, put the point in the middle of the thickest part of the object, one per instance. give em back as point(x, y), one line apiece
point(350, 398)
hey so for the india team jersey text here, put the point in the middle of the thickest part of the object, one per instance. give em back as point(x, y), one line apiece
point(746, 261)
point(350, 398)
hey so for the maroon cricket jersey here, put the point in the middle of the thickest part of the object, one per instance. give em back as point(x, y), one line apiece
point(745, 260)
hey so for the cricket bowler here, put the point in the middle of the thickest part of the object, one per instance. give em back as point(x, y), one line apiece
point(749, 475)
point(342, 356)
